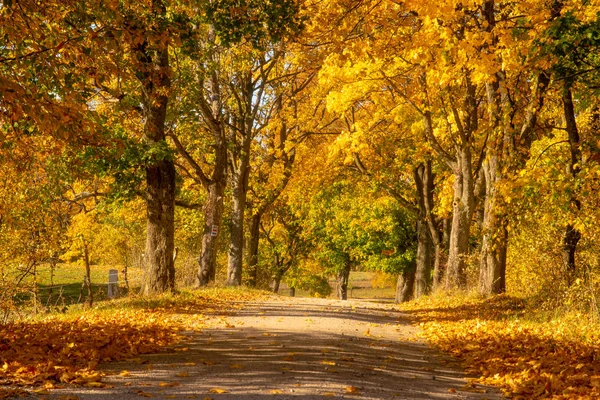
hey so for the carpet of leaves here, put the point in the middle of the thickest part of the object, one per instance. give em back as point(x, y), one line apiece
point(66, 349)
point(498, 341)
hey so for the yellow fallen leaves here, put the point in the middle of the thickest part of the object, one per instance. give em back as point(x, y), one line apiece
point(218, 391)
point(352, 389)
point(36, 353)
point(168, 384)
point(557, 359)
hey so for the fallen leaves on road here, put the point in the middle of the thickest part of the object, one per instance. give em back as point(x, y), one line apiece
point(352, 389)
point(37, 352)
point(218, 391)
point(67, 348)
point(556, 359)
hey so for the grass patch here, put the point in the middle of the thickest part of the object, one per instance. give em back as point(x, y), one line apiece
point(513, 346)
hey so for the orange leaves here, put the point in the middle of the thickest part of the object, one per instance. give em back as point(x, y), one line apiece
point(37, 352)
point(352, 389)
point(67, 349)
point(554, 360)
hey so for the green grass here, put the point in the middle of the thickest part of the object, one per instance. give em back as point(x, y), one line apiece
point(65, 287)
point(360, 286)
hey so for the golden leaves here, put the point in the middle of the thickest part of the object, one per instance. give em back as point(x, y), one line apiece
point(168, 384)
point(352, 389)
point(554, 359)
point(34, 353)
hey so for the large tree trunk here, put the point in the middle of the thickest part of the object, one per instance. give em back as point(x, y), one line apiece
point(160, 171)
point(215, 185)
point(404, 285)
point(253, 242)
point(213, 218)
point(462, 212)
point(507, 149)
point(494, 243)
point(342, 281)
point(160, 236)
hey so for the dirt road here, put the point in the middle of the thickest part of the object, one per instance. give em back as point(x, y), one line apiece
point(294, 348)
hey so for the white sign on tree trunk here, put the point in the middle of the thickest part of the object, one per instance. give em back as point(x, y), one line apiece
point(113, 283)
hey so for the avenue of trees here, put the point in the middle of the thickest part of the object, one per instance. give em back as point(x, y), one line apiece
point(452, 145)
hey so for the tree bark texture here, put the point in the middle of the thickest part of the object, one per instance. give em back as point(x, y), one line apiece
point(405, 285)
point(213, 219)
point(160, 171)
point(253, 242)
point(422, 285)
point(494, 243)
point(276, 282)
point(236, 241)
point(239, 172)
point(507, 149)
point(160, 235)
point(462, 213)
point(441, 253)
point(342, 281)
point(428, 234)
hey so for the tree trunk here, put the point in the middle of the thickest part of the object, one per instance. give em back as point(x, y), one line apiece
point(239, 170)
point(160, 235)
point(342, 282)
point(276, 282)
point(160, 170)
point(422, 284)
point(462, 212)
point(89, 300)
point(572, 235)
point(253, 242)
point(494, 243)
point(213, 218)
point(569, 249)
point(236, 241)
point(404, 285)
point(441, 254)
point(238, 207)
point(425, 229)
